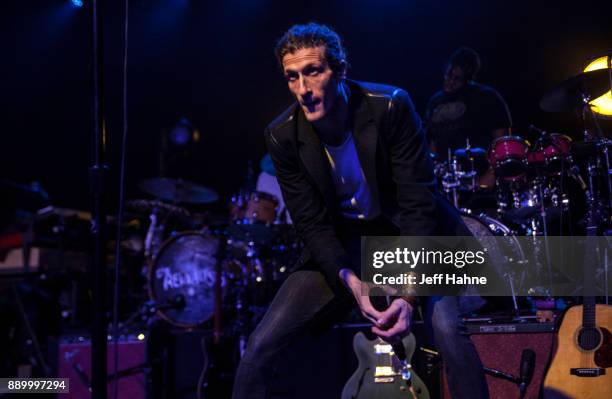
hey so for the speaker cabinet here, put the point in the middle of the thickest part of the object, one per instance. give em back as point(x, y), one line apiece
point(74, 362)
point(502, 351)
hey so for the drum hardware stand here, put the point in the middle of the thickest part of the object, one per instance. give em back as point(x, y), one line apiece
point(450, 181)
point(514, 301)
point(609, 181)
point(545, 232)
point(472, 172)
point(149, 252)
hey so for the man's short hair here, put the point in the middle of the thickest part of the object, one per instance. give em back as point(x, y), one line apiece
point(468, 60)
point(313, 35)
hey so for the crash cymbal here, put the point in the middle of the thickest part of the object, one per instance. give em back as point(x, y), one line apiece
point(178, 191)
point(151, 206)
point(567, 96)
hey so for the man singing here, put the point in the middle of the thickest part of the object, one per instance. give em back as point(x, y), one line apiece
point(351, 161)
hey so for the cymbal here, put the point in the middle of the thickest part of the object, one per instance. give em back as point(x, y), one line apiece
point(567, 96)
point(178, 191)
point(150, 206)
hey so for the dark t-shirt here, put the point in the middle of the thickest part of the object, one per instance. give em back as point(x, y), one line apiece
point(472, 112)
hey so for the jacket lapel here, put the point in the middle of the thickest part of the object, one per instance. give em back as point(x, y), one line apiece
point(365, 136)
point(313, 157)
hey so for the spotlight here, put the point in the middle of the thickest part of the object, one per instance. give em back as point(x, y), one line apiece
point(601, 105)
point(77, 3)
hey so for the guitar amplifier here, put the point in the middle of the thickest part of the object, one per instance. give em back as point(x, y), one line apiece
point(500, 347)
point(74, 362)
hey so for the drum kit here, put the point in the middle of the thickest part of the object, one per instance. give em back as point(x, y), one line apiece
point(198, 269)
point(541, 188)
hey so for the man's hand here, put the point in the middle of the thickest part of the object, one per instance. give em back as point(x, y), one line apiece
point(394, 323)
point(353, 284)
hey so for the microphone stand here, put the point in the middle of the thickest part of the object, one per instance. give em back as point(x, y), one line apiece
point(98, 176)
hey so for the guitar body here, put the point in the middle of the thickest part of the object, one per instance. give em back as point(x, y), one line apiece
point(582, 371)
point(376, 376)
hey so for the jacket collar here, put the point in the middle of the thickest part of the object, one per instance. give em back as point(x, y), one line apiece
point(364, 135)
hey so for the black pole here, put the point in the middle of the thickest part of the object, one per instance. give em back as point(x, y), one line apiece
point(98, 176)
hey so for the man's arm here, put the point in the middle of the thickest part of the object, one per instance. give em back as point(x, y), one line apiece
point(413, 174)
point(311, 220)
point(411, 167)
point(308, 212)
point(497, 115)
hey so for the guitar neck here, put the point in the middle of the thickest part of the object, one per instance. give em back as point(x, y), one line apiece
point(588, 312)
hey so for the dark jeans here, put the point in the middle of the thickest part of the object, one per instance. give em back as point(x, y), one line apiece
point(305, 300)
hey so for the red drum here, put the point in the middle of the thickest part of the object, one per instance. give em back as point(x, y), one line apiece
point(551, 152)
point(535, 158)
point(508, 155)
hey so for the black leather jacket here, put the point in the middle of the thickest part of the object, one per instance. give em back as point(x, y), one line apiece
point(395, 161)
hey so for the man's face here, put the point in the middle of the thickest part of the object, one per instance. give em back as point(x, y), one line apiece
point(454, 79)
point(312, 82)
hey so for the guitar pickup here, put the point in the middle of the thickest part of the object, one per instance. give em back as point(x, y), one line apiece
point(588, 372)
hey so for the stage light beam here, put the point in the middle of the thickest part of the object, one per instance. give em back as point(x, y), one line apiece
point(77, 3)
point(601, 105)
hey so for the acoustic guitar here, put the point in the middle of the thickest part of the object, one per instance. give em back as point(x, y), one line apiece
point(381, 374)
point(582, 365)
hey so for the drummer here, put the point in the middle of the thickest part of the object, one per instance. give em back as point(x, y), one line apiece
point(464, 109)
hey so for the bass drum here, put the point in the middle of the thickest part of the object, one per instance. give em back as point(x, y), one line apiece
point(182, 279)
point(506, 254)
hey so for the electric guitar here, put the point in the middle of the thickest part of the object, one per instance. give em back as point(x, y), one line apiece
point(381, 374)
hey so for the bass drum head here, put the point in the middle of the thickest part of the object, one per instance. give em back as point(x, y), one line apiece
point(182, 279)
point(504, 249)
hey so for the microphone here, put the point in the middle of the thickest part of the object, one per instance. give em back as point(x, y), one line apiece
point(527, 367)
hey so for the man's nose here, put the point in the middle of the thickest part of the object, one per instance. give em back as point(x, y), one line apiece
point(303, 87)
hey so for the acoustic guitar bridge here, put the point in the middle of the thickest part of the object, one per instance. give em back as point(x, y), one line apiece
point(588, 372)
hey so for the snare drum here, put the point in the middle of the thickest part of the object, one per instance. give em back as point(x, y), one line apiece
point(508, 155)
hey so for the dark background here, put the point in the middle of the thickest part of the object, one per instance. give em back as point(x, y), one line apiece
point(213, 62)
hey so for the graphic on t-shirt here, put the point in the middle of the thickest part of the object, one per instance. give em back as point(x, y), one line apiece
point(448, 112)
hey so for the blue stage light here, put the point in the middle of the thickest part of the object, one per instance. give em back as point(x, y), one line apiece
point(77, 3)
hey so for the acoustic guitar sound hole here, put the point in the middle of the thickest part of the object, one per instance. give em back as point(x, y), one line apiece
point(589, 338)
